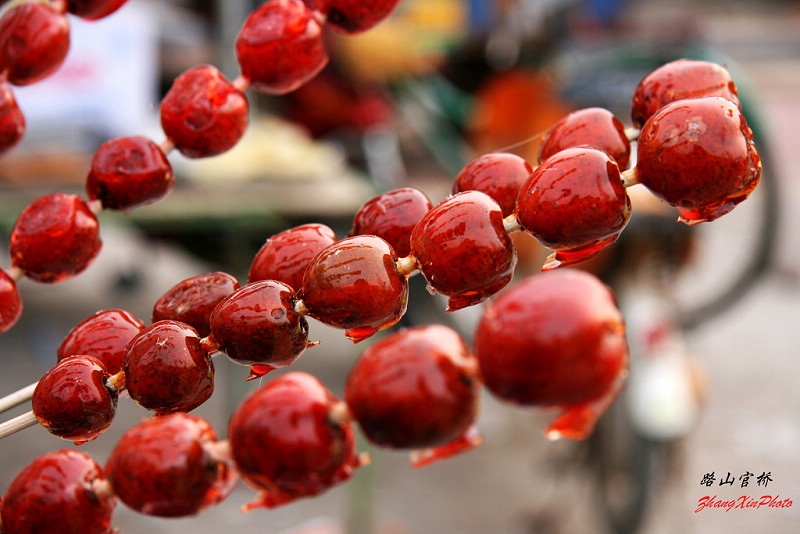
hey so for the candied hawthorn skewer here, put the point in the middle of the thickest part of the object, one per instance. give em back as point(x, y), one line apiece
point(417, 389)
point(357, 284)
point(698, 155)
point(563, 346)
point(104, 336)
point(93, 9)
point(10, 301)
point(288, 440)
point(34, 41)
point(352, 16)
point(75, 399)
point(64, 491)
point(574, 203)
point(257, 325)
point(170, 466)
point(500, 175)
point(463, 250)
point(12, 121)
point(594, 127)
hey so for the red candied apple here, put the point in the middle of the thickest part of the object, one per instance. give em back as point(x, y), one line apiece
point(575, 203)
point(192, 300)
point(556, 339)
point(104, 336)
point(463, 250)
point(679, 80)
point(93, 9)
point(54, 238)
point(500, 175)
point(170, 466)
point(10, 302)
point(595, 127)
point(12, 121)
point(34, 41)
point(168, 369)
point(356, 284)
point(257, 325)
point(129, 171)
point(392, 216)
point(288, 442)
point(280, 47)
point(417, 389)
point(285, 256)
point(352, 16)
point(72, 400)
point(203, 113)
point(63, 491)
point(699, 156)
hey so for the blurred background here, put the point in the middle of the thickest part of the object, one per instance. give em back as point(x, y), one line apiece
point(713, 310)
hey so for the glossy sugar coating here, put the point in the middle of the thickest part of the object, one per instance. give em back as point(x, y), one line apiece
point(54, 238)
point(129, 171)
point(555, 339)
point(463, 250)
point(10, 302)
point(352, 16)
point(285, 256)
point(72, 401)
point(257, 325)
point(500, 175)
point(104, 335)
point(286, 443)
point(165, 467)
point(12, 121)
point(191, 301)
point(280, 47)
point(595, 127)
point(415, 389)
point(392, 216)
point(93, 9)
point(167, 369)
point(679, 80)
point(699, 156)
point(575, 204)
point(34, 41)
point(54, 493)
point(203, 114)
point(355, 285)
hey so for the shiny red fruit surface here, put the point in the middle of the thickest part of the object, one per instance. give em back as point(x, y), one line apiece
point(699, 156)
point(93, 9)
point(12, 121)
point(287, 444)
point(555, 339)
point(191, 301)
point(355, 285)
point(167, 369)
point(72, 401)
point(203, 114)
point(392, 216)
point(280, 47)
point(285, 256)
point(415, 389)
point(257, 325)
point(166, 466)
point(499, 175)
point(595, 127)
point(679, 80)
point(352, 16)
point(104, 336)
point(575, 204)
point(54, 238)
point(34, 41)
point(55, 493)
point(129, 171)
point(10, 302)
point(463, 250)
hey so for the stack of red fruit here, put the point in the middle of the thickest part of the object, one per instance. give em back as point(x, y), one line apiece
point(563, 338)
